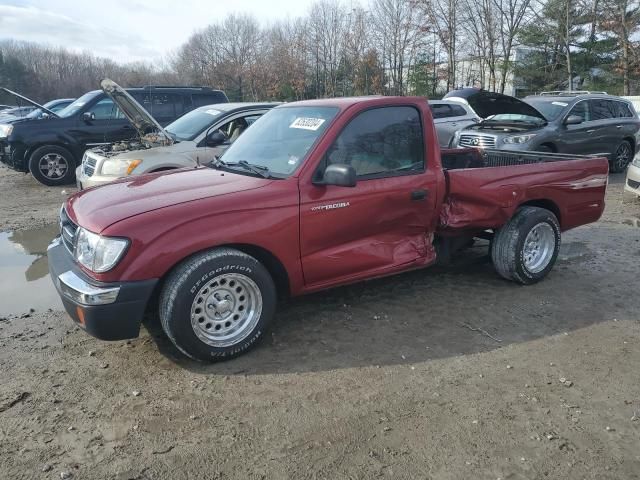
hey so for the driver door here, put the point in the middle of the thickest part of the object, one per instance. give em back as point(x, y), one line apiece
point(381, 223)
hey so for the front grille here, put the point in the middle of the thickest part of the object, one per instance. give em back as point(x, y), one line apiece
point(633, 183)
point(88, 165)
point(479, 141)
point(67, 231)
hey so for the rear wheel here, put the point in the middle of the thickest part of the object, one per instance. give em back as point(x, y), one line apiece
point(621, 157)
point(217, 304)
point(526, 248)
point(52, 165)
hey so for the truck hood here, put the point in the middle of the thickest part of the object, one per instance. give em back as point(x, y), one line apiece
point(29, 101)
point(97, 208)
point(136, 113)
point(487, 104)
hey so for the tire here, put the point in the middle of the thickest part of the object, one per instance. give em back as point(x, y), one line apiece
point(526, 248)
point(52, 165)
point(245, 299)
point(621, 158)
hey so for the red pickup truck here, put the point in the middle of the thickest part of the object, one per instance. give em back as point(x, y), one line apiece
point(314, 195)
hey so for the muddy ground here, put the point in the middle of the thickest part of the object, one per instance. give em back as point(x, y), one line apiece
point(447, 373)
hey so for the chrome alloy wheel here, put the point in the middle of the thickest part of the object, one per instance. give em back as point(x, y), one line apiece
point(226, 310)
point(539, 247)
point(622, 156)
point(53, 165)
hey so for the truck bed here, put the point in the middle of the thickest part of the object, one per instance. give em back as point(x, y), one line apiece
point(484, 188)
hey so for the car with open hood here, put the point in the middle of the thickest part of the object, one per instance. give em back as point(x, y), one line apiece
point(193, 139)
point(51, 150)
point(582, 123)
point(36, 111)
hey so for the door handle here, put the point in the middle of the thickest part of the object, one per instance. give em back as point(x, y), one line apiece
point(618, 126)
point(418, 195)
point(590, 131)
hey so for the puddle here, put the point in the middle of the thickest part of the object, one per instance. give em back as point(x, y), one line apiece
point(572, 250)
point(24, 273)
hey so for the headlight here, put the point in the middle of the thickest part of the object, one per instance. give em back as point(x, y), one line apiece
point(119, 167)
point(636, 161)
point(97, 253)
point(5, 130)
point(519, 138)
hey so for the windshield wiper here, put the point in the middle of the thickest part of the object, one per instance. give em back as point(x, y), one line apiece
point(261, 170)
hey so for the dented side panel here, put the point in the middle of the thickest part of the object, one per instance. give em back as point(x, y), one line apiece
point(482, 198)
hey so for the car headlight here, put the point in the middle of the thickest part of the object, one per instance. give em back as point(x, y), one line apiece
point(97, 253)
point(636, 161)
point(5, 130)
point(119, 167)
point(519, 138)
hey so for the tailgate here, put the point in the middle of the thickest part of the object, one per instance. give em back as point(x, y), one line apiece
point(487, 190)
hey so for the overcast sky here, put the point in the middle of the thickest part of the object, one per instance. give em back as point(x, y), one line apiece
point(127, 29)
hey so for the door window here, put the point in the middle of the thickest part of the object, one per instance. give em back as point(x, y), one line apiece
point(620, 109)
point(581, 109)
point(381, 142)
point(103, 110)
point(440, 110)
point(458, 111)
point(600, 109)
point(237, 126)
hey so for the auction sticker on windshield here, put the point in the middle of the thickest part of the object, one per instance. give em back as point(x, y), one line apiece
point(307, 123)
point(211, 111)
point(560, 104)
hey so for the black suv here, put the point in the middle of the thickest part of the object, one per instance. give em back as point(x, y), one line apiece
point(51, 149)
point(585, 123)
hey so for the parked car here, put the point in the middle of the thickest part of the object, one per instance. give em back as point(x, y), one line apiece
point(632, 183)
point(195, 138)
point(40, 113)
point(314, 195)
point(16, 112)
point(563, 122)
point(52, 150)
point(449, 117)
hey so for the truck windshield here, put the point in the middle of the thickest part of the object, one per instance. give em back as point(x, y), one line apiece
point(77, 105)
point(281, 139)
point(189, 126)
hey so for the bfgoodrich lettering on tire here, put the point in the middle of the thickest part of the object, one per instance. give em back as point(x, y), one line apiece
point(217, 304)
point(525, 249)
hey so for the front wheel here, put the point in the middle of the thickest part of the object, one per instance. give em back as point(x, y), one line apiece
point(52, 165)
point(525, 249)
point(217, 305)
point(621, 157)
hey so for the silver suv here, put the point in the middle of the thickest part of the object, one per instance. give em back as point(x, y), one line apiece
point(583, 123)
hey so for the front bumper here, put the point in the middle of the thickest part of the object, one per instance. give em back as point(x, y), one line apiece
point(11, 157)
point(84, 181)
point(632, 182)
point(108, 311)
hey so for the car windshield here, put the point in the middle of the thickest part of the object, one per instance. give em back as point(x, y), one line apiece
point(281, 139)
point(551, 109)
point(515, 117)
point(72, 109)
point(189, 126)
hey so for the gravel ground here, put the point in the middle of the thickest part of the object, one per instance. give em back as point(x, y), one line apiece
point(447, 373)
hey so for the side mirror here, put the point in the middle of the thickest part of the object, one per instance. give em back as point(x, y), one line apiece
point(215, 139)
point(340, 175)
point(88, 116)
point(573, 120)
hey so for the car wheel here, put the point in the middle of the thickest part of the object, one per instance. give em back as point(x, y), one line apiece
point(217, 305)
point(526, 248)
point(52, 165)
point(622, 157)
